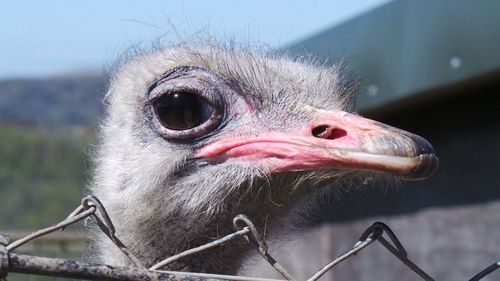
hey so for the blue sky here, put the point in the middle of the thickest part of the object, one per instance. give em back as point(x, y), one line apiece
point(47, 37)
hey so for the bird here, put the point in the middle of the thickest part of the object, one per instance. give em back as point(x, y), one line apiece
point(195, 134)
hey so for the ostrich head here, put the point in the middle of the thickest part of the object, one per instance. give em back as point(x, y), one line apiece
point(195, 136)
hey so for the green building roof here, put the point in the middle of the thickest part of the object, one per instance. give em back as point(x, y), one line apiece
point(404, 50)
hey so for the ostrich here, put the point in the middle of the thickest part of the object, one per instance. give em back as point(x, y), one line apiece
point(196, 135)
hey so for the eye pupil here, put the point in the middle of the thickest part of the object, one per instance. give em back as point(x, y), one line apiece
point(182, 110)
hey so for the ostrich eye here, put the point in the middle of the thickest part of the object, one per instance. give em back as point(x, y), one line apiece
point(187, 104)
point(183, 110)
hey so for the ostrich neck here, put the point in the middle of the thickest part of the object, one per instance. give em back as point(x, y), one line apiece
point(151, 247)
point(154, 231)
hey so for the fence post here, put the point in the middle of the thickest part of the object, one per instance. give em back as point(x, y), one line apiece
point(4, 257)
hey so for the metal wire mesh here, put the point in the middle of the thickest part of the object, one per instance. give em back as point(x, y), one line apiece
point(92, 208)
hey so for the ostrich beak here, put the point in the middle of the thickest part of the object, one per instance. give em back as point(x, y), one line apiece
point(335, 140)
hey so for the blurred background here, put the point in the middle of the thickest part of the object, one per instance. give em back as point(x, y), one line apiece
point(429, 67)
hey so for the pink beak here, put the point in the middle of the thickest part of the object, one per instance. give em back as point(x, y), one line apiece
point(336, 140)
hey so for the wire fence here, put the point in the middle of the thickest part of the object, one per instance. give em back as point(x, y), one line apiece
point(91, 207)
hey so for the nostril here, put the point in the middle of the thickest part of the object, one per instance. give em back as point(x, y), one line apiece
point(336, 134)
point(327, 132)
point(320, 131)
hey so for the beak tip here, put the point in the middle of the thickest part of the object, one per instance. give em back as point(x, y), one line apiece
point(427, 166)
point(422, 146)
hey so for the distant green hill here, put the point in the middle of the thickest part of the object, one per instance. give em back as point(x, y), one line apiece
point(46, 128)
point(58, 101)
point(42, 173)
